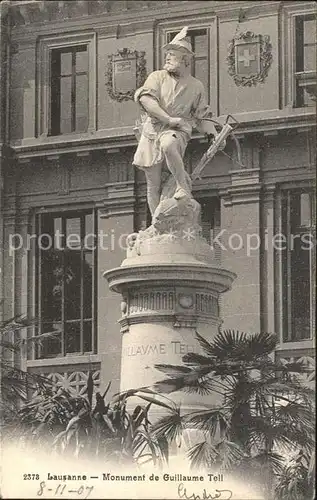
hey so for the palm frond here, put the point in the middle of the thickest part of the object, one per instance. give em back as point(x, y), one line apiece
point(240, 391)
point(294, 366)
point(205, 345)
point(163, 448)
point(16, 323)
point(90, 387)
point(259, 345)
point(140, 444)
point(311, 471)
point(192, 358)
point(202, 455)
point(214, 421)
point(258, 461)
point(202, 386)
point(296, 414)
point(228, 344)
point(124, 395)
point(293, 481)
point(169, 427)
point(106, 390)
point(9, 345)
point(278, 433)
point(192, 382)
point(37, 339)
point(173, 371)
point(229, 454)
point(158, 402)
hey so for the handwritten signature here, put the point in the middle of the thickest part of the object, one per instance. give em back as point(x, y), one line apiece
point(182, 493)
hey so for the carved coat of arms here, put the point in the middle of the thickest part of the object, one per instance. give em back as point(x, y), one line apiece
point(126, 71)
point(249, 59)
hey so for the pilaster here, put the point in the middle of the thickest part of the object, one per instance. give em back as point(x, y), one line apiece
point(115, 223)
point(240, 242)
point(4, 61)
point(1, 240)
point(63, 171)
point(7, 228)
point(267, 258)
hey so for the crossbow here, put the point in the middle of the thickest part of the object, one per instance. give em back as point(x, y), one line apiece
point(226, 130)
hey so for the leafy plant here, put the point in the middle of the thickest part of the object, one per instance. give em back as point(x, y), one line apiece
point(260, 411)
point(41, 415)
point(15, 382)
point(296, 478)
point(260, 414)
point(76, 426)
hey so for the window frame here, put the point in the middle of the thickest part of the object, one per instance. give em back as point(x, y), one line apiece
point(38, 283)
point(210, 216)
point(205, 22)
point(45, 47)
point(281, 280)
point(301, 74)
point(288, 51)
point(56, 81)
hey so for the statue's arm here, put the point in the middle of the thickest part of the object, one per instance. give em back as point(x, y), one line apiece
point(153, 108)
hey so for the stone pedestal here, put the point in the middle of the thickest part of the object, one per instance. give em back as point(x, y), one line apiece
point(170, 286)
point(163, 305)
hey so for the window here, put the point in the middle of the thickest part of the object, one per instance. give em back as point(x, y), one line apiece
point(66, 284)
point(305, 61)
point(210, 223)
point(199, 42)
point(297, 265)
point(66, 83)
point(69, 90)
point(210, 218)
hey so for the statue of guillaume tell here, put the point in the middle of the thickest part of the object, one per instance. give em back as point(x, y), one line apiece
point(173, 102)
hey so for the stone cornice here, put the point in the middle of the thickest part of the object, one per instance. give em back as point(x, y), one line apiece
point(94, 359)
point(274, 121)
point(122, 30)
point(119, 200)
point(269, 192)
point(38, 149)
point(203, 276)
point(250, 123)
point(245, 187)
point(176, 320)
point(6, 151)
point(78, 13)
point(91, 13)
point(299, 6)
point(28, 39)
point(247, 11)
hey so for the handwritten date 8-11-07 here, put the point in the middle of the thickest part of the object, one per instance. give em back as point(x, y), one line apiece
point(62, 489)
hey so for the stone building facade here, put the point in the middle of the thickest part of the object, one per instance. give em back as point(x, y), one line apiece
point(67, 74)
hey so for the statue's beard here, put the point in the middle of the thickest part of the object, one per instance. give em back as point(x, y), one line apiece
point(172, 68)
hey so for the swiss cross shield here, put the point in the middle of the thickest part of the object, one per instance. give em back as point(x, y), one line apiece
point(249, 58)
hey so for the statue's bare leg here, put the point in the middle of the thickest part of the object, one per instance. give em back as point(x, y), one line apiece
point(153, 185)
point(174, 161)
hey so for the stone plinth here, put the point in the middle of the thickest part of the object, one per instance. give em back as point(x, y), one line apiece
point(170, 289)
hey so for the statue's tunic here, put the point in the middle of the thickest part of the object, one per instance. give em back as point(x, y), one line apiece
point(182, 98)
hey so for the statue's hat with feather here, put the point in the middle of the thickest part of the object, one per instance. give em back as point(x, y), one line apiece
point(179, 42)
